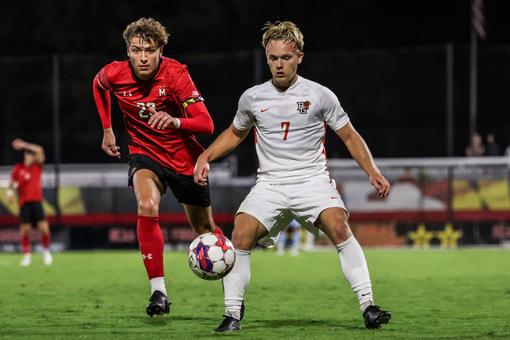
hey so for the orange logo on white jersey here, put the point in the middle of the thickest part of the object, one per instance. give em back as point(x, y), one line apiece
point(303, 107)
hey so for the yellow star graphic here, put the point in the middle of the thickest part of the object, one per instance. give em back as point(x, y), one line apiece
point(421, 237)
point(449, 236)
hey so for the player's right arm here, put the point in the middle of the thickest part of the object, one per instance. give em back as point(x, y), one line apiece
point(226, 142)
point(101, 92)
point(13, 184)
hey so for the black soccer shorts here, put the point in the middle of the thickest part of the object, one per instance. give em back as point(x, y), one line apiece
point(184, 188)
point(31, 212)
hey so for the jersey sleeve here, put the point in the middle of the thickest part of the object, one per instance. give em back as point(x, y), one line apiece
point(198, 119)
point(185, 89)
point(334, 114)
point(101, 89)
point(244, 118)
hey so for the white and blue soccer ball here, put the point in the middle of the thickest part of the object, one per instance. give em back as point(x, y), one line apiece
point(211, 256)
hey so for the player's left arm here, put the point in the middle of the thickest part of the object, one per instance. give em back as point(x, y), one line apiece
point(20, 144)
point(361, 153)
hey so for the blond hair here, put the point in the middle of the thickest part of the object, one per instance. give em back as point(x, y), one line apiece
point(283, 30)
point(147, 29)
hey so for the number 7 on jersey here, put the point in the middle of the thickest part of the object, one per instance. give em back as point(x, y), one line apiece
point(286, 126)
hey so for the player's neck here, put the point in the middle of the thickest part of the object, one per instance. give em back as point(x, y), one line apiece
point(284, 87)
point(145, 78)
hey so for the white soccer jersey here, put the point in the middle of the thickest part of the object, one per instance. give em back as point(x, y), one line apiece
point(290, 128)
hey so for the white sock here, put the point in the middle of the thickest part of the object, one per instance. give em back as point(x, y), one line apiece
point(235, 283)
point(158, 283)
point(355, 269)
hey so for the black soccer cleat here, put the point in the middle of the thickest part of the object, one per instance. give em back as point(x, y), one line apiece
point(375, 317)
point(158, 304)
point(230, 324)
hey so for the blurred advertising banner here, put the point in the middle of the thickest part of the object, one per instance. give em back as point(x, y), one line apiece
point(444, 202)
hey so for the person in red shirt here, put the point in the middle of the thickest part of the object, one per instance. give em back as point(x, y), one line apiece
point(26, 178)
point(162, 111)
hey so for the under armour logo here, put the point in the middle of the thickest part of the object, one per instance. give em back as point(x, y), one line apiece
point(147, 257)
point(127, 94)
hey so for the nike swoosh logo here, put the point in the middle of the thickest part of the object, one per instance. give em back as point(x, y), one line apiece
point(366, 294)
point(334, 197)
point(264, 110)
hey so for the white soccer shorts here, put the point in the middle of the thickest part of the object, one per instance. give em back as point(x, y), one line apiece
point(275, 205)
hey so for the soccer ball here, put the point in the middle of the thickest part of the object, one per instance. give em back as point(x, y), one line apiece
point(211, 256)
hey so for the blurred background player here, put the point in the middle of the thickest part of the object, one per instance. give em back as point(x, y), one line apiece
point(475, 147)
point(293, 231)
point(289, 114)
point(26, 179)
point(162, 111)
point(492, 148)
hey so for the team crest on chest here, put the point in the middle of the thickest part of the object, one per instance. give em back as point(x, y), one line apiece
point(26, 175)
point(303, 107)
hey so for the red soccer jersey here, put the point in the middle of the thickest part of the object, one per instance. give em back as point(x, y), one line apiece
point(171, 90)
point(29, 182)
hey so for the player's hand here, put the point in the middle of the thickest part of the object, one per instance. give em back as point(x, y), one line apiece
point(201, 171)
point(18, 144)
point(10, 195)
point(161, 120)
point(109, 145)
point(380, 184)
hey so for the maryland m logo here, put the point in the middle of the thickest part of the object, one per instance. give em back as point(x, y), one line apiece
point(303, 107)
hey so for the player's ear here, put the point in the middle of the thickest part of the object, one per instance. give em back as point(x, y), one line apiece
point(300, 57)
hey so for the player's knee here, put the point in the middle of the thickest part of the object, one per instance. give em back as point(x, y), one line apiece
point(240, 243)
point(340, 231)
point(43, 226)
point(147, 207)
point(24, 228)
point(242, 240)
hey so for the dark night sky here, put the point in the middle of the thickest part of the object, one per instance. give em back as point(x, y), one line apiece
point(394, 91)
point(32, 26)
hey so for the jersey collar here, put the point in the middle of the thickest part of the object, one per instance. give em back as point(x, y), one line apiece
point(289, 88)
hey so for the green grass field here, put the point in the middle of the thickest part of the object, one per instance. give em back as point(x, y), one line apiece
point(432, 294)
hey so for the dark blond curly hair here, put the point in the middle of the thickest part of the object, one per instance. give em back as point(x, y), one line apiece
point(283, 30)
point(147, 29)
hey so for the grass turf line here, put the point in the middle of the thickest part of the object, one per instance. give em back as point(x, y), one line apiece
point(102, 295)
